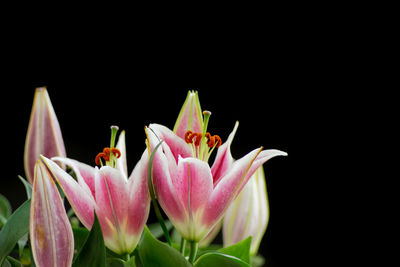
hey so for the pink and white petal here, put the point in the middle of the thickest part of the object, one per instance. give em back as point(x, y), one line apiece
point(81, 201)
point(190, 116)
point(84, 173)
point(177, 145)
point(139, 202)
point(44, 133)
point(223, 160)
point(261, 158)
point(238, 216)
point(121, 161)
point(162, 181)
point(112, 195)
point(226, 190)
point(194, 184)
point(51, 236)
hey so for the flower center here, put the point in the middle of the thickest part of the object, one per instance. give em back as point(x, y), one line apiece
point(203, 143)
point(109, 154)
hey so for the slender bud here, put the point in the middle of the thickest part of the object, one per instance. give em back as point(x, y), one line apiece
point(248, 215)
point(44, 133)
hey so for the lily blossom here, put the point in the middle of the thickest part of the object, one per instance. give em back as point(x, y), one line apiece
point(248, 215)
point(121, 203)
point(194, 195)
point(51, 236)
point(44, 133)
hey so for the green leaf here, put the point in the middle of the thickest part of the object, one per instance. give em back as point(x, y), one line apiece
point(6, 263)
point(5, 210)
point(93, 252)
point(80, 237)
point(155, 253)
point(28, 187)
point(217, 259)
point(239, 250)
point(13, 262)
point(116, 262)
point(156, 229)
point(16, 227)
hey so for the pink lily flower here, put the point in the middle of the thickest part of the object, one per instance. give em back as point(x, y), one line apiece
point(121, 203)
point(51, 236)
point(44, 134)
point(194, 195)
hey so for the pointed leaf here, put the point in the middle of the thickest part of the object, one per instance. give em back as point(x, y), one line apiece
point(240, 250)
point(80, 236)
point(5, 210)
point(156, 253)
point(27, 186)
point(13, 262)
point(217, 259)
point(15, 228)
point(116, 262)
point(93, 252)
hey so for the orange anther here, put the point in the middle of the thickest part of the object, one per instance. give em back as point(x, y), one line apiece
point(187, 136)
point(217, 140)
point(98, 157)
point(116, 152)
point(198, 139)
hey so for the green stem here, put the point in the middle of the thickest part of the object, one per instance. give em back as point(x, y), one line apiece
point(161, 221)
point(193, 251)
point(183, 246)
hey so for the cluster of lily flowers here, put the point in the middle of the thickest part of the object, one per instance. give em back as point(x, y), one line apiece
point(198, 198)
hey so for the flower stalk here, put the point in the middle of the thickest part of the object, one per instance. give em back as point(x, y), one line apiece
point(193, 251)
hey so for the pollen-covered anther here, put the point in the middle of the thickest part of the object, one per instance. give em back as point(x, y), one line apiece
point(187, 136)
point(194, 138)
point(116, 152)
point(217, 140)
point(106, 154)
point(98, 157)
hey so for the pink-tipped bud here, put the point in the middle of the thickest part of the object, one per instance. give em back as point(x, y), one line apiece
point(44, 133)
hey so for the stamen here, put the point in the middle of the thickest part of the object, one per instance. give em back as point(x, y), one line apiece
point(187, 136)
point(116, 152)
point(198, 139)
point(106, 152)
point(98, 157)
point(217, 140)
